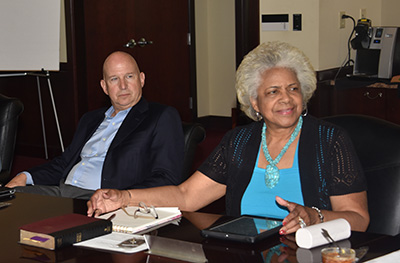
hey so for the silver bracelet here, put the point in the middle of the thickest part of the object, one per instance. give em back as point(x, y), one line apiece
point(321, 216)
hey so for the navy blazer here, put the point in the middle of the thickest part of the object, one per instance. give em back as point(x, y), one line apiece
point(147, 150)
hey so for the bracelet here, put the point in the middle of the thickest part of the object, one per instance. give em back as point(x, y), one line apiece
point(321, 216)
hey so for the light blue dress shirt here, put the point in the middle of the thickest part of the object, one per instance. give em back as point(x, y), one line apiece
point(87, 173)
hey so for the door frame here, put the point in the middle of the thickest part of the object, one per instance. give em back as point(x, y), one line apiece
point(247, 27)
point(192, 58)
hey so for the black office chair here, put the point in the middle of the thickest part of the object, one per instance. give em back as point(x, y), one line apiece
point(10, 109)
point(194, 133)
point(377, 143)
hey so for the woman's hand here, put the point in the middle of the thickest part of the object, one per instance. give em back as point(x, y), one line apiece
point(296, 213)
point(106, 200)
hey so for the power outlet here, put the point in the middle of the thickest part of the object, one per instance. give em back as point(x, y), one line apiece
point(342, 22)
point(363, 13)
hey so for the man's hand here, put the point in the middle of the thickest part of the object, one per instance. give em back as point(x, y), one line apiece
point(18, 180)
point(106, 200)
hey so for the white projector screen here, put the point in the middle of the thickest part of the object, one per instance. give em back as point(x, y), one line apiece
point(29, 35)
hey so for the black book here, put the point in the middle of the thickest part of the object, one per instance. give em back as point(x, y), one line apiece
point(65, 230)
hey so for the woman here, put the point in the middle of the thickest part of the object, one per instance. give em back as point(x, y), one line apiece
point(284, 165)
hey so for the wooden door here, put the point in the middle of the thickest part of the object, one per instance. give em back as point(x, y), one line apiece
point(166, 62)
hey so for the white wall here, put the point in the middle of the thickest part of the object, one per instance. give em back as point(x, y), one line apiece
point(215, 55)
point(321, 39)
point(307, 39)
point(390, 13)
point(202, 61)
point(333, 40)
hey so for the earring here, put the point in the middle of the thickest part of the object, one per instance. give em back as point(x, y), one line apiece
point(305, 112)
point(258, 115)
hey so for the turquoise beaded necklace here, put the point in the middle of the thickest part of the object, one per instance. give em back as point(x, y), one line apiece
point(272, 172)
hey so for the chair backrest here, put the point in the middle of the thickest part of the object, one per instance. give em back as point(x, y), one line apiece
point(377, 143)
point(10, 109)
point(194, 133)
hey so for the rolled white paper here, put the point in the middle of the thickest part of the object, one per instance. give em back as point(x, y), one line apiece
point(311, 236)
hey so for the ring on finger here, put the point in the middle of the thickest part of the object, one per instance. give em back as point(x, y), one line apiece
point(302, 223)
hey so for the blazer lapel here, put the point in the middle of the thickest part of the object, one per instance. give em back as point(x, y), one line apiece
point(93, 123)
point(136, 115)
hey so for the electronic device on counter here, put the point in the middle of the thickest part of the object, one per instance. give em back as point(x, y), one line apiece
point(377, 51)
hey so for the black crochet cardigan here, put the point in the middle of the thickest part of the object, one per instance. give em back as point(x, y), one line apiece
point(327, 161)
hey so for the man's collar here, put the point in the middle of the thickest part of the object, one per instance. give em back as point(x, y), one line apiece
point(141, 106)
point(111, 110)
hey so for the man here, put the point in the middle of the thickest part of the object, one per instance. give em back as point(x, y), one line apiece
point(132, 144)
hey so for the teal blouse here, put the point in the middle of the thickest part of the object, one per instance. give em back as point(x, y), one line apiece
point(259, 200)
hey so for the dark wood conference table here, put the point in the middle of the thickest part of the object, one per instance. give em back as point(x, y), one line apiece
point(28, 208)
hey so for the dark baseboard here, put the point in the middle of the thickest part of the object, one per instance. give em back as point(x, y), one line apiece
point(216, 122)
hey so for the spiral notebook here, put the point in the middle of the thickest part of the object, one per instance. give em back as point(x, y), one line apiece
point(125, 222)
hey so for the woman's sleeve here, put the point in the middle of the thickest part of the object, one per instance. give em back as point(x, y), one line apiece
point(216, 166)
point(346, 170)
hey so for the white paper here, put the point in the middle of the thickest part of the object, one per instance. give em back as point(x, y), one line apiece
point(30, 35)
point(110, 242)
point(392, 257)
point(311, 236)
point(144, 222)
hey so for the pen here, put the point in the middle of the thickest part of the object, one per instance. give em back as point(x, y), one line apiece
point(111, 217)
point(155, 212)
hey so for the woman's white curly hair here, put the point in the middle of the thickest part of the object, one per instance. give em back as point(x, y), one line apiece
point(272, 55)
